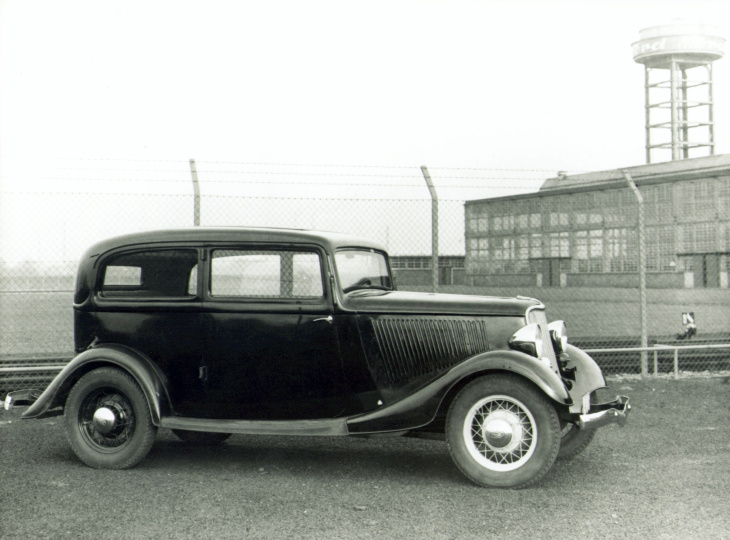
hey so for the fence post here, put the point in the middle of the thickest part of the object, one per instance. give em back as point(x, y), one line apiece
point(196, 194)
point(642, 274)
point(434, 230)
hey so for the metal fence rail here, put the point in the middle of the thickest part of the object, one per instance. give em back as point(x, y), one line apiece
point(722, 362)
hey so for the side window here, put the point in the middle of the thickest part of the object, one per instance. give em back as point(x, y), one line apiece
point(266, 274)
point(164, 273)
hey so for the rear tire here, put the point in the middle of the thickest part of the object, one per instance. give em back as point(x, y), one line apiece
point(108, 421)
point(502, 432)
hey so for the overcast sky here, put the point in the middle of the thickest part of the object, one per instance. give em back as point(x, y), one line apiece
point(549, 84)
point(502, 85)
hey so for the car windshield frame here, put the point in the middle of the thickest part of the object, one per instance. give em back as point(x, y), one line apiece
point(350, 280)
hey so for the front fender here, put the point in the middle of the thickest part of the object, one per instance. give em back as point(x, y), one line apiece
point(421, 407)
point(150, 379)
point(588, 376)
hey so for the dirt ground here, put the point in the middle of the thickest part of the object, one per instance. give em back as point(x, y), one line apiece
point(666, 474)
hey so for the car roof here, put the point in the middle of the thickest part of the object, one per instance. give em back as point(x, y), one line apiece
point(200, 235)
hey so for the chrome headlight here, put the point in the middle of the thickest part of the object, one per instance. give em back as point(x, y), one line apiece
point(559, 336)
point(528, 339)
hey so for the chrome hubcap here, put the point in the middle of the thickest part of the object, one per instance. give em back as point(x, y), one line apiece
point(104, 420)
point(497, 432)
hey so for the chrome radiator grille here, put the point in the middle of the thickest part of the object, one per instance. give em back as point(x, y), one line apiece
point(416, 346)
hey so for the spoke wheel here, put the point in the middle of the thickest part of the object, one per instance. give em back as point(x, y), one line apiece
point(502, 431)
point(107, 418)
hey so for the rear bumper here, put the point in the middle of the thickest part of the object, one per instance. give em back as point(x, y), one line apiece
point(604, 414)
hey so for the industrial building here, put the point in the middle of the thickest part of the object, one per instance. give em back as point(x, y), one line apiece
point(583, 230)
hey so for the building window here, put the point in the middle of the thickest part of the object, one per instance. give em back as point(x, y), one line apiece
point(658, 203)
point(536, 221)
point(697, 238)
point(660, 249)
point(698, 199)
point(559, 244)
point(621, 250)
point(559, 220)
point(523, 249)
point(588, 253)
point(535, 246)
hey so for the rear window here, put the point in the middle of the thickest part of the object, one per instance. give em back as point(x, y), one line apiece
point(170, 273)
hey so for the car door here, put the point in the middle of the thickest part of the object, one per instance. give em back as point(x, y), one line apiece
point(271, 349)
point(148, 299)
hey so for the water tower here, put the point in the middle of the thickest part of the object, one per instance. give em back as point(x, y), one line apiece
point(678, 72)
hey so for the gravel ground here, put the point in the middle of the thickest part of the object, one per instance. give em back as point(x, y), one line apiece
point(665, 475)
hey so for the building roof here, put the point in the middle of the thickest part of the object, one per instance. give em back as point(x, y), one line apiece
point(652, 173)
point(684, 169)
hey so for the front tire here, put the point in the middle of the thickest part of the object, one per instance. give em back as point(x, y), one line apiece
point(574, 440)
point(502, 432)
point(108, 421)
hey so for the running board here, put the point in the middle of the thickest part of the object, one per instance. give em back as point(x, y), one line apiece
point(335, 427)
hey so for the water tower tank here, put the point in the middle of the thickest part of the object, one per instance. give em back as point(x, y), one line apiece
point(679, 106)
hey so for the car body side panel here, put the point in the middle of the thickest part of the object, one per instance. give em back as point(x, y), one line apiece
point(273, 366)
point(170, 336)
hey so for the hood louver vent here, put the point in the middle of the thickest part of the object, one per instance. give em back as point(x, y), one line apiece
point(411, 347)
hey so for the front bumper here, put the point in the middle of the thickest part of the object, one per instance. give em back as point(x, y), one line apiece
point(603, 414)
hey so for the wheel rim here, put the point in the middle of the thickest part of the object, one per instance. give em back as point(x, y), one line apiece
point(106, 420)
point(500, 433)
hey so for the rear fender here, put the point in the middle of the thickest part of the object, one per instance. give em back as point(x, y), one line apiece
point(421, 407)
point(150, 379)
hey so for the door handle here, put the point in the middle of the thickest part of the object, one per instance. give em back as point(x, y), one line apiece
point(328, 319)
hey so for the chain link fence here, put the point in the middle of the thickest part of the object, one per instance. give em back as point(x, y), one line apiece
point(578, 252)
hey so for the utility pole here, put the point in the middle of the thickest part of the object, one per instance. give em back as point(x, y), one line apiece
point(196, 194)
point(434, 230)
point(642, 274)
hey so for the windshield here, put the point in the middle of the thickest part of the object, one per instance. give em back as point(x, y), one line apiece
point(362, 269)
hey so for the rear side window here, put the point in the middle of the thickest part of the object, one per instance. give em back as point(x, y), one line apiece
point(275, 274)
point(164, 273)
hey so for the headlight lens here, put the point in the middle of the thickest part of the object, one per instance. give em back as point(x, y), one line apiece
point(528, 339)
point(559, 336)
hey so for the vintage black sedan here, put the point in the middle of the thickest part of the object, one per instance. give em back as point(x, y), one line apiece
point(214, 331)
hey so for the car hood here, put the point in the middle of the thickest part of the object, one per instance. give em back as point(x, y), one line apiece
point(402, 302)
